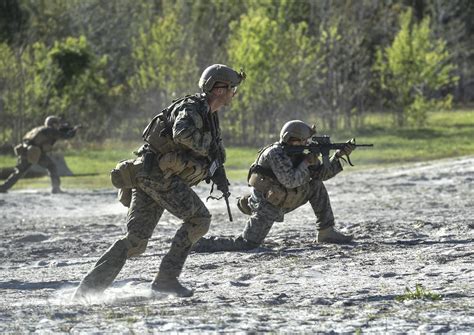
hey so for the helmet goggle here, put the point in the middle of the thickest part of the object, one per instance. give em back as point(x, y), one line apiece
point(229, 87)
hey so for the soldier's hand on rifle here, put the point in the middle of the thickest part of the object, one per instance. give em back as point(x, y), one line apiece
point(347, 150)
point(220, 179)
point(312, 159)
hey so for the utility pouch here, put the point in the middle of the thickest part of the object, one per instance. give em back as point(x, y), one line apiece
point(124, 174)
point(188, 169)
point(273, 193)
point(171, 163)
point(33, 154)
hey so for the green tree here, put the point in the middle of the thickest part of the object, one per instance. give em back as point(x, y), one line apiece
point(413, 69)
point(165, 67)
point(74, 84)
point(281, 62)
point(66, 79)
point(18, 87)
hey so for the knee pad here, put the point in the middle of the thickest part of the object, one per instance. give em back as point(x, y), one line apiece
point(135, 245)
point(197, 228)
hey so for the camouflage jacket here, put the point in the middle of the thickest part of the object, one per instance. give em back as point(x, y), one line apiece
point(292, 172)
point(194, 127)
point(45, 137)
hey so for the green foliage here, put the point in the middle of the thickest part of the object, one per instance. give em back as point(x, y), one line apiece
point(12, 20)
point(163, 63)
point(71, 83)
point(65, 80)
point(419, 293)
point(412, 68)
point(111, 65)
point(17, 91)
point(277, 60)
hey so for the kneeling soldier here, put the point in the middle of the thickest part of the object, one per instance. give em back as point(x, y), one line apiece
point(180, 145)
point(280, 184)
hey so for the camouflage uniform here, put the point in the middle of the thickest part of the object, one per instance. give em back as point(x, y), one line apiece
point(155, 193)
point(291, 173)
point(44, 138)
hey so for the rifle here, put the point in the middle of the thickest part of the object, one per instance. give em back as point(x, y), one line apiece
point(66, 127)
point(322, 145)
point(216, 169)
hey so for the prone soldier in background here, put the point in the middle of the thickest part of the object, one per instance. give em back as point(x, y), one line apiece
point(34, 150)
point(182, 143)
point(282, 182)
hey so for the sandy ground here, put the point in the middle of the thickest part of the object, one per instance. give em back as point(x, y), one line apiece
point(413, 225)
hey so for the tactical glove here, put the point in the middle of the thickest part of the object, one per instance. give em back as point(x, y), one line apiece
point(347, 150)
point(312, 159)
point(220, 179)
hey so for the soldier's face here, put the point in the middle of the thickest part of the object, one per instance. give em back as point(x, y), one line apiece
point(298, 142)
point(229, 95)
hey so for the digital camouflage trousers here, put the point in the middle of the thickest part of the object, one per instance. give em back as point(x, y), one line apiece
point(149, 200)
point(264, 215)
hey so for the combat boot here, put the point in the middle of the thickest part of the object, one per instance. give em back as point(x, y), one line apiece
point(57, 190)
point(170, 286)
point(331, 235)
point(243, 204)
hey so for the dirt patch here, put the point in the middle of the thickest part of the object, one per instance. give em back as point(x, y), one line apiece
point(413, 225)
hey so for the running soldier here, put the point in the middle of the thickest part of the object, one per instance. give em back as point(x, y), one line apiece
point(180, 148)
point(280, 184)
point(34, 149)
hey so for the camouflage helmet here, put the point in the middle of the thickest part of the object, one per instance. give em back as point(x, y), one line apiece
point(50, 120)
point(296, 129)
point(219, 73)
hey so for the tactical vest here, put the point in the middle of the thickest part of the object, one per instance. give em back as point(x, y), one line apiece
point(159, 133)
point(264, 180)
point(35, 136)
point(174, 158)
point(38, 137)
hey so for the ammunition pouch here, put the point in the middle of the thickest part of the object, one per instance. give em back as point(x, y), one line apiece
point(124, 195)
point(277, 194)
point(124, 174)
point(33, 154)
point(272, 191)
point(178, 164)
